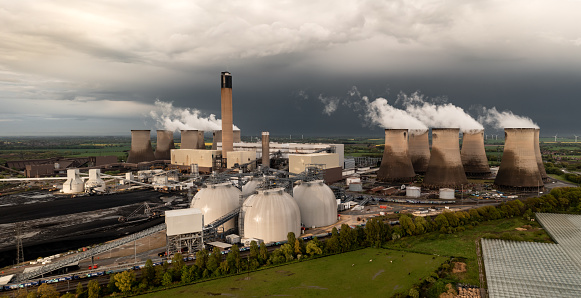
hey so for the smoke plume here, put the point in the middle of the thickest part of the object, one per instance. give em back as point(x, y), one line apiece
point(442, 115)
point(505, 119)
point(381, 113)
point(171, 118)
point(331, 104)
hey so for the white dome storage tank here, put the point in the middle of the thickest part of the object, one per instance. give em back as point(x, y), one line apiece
point(251, 186)
point(270, 215)
point(217, 200)
point(316, 202)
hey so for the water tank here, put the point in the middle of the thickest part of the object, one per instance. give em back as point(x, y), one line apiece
point(446, 193)
point(413, 192)
point(217, 200)
point(270, 215)
point(317, 203)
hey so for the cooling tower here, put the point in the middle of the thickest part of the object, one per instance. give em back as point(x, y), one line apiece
point(419, 151)
point(265, 149)
point(519, 168)
point(539, 157)
point(217, 138)
point(473, 155)
point(201, 143)
point(227, 121)
point(396, 164)
point(445, 168)
point(189, 139)
point(141, 149)
point(164, 145)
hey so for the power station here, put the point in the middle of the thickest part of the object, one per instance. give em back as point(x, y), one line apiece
point(396, 164)
point(445, 168)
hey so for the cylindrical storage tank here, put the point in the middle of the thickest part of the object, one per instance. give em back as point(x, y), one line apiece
point(189, 139)
point(74, 183)
point(251, 186)
point(396, 164)
point(270, 215)
point(216, 138)
point(164, 145)
point(518, 167)
point(473, 154)
point(95, 182)
point(201, 143)
point(317, 203)
point(445, 168)
point(539, 157)
point(419, 150)
point(446, 193)
point(266, 149)
point(141, 149)
point(413, 192)
point(217, 200)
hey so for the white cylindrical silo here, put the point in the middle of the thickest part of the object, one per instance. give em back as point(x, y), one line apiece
point(74, 183)
point(95, 182)
point(270, 215)
point(217, 200)
point(317, 203)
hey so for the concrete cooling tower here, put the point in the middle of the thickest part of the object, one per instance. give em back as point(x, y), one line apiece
point(317, 204)
point(473, 155)
point(266, 149)
point(201, 143)
point(419, 151)
point(189, 139)
point(396, 164)
point(227, 120)
point(539, 157)
point(141, 149)
point(270, 214)
point(518, 168)
point(217, 138)
point(217, 200)
point(445, 168)
point(164, 145)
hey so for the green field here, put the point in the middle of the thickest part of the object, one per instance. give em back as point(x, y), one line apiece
point(463, 244)
point(368, 272)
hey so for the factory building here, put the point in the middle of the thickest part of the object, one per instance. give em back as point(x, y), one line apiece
point(519, 168)
point(241, 157)
point(445, 168)
point(298, 163)
point(396, 164)
point(141, 149)
point(270, 215)
point(419, 150)
point(217, 200)
point(164, 145)
point(473, 154)
point(207, 160)
point(317, 203)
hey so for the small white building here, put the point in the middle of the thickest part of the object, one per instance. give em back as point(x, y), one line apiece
point(446, 193)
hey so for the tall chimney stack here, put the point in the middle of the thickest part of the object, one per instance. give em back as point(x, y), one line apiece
point(164, 145)
point(189, 139)
point(141, 149)
point(265, 149)
point(396, 164)
point(445, 168)
point(227, 121)
point(419, 150)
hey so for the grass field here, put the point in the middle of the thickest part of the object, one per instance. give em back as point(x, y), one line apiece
point(349, 274)
point(463, 244)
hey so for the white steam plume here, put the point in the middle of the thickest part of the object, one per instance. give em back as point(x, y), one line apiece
point(331, 104)
point(440, 116)
point(170, 118)
point(381, 113)
point(505, 119)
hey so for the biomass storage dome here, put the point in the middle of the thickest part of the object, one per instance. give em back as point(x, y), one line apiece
point(317, 203)
point(251, 186)
point(217, 200)
point(270, 215)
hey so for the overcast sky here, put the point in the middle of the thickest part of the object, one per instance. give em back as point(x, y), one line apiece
point(97, 67)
